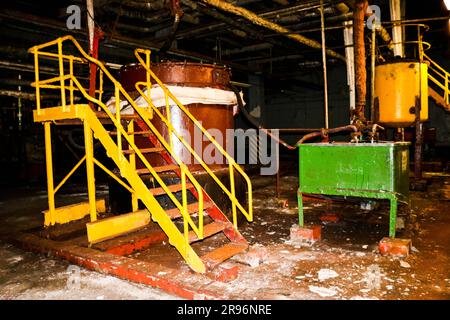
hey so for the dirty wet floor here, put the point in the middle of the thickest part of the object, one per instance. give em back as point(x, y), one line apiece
point(344, 265)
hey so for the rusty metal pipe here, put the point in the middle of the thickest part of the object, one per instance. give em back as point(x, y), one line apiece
point(255, 123)
point(239, 29)
point(360, 58)
point(257, 20)
point(325, 132)
point(297, 130)
point(380, 30)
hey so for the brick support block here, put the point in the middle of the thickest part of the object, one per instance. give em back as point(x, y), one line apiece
point(223, 274)
point(306, 234)
point(395, 247)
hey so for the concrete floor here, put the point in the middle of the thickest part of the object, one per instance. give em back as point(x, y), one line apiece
point(344, 265)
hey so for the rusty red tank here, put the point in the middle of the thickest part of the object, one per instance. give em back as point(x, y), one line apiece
point(212, 116)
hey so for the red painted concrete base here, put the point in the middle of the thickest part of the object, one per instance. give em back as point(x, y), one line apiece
point(330, 217)
point(309, 234)
point(395, 247)
point(181, 282)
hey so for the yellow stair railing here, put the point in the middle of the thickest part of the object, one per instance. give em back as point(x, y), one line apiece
point(70, 110)
point(233, 166)
point(440, 77)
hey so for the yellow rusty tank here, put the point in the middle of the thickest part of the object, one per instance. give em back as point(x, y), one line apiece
point(397, 84)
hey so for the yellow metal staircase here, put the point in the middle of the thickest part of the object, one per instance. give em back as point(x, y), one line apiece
point(125, 128)
point(438, 85)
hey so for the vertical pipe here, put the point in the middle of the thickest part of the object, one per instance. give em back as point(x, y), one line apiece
point(49, 166)
point(417, 109)
point(324, 63)
point(89, 149)
point(360, 58)
point(90, 23)
point(19, 105)
point(397, 32)
point(372, 75)
point(350, 62)
point(93, 37)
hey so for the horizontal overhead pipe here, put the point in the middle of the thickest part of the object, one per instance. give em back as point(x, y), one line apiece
point(271, 15)
point(116, 40)
point(239, 29)
point(257, 20)
point(28, 96)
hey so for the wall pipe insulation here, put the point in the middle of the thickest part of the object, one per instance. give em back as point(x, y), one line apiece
point(257, 20)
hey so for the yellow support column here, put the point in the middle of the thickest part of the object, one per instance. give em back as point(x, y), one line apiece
point(49, 165)
point(132, 159)
point(89, 149)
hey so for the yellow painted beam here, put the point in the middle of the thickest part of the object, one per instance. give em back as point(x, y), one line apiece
point(57, 113)
point(72, 212)
point(115, 226)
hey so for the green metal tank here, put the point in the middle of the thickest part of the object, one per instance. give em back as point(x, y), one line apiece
point(367, 170)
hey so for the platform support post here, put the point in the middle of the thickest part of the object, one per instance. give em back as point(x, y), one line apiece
point(49, 167)
point(300, 208)
point(89, 148)
point(392, 217)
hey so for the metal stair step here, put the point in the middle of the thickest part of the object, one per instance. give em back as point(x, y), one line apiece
point(214, 258)
point(192, 208)
point(103, 115)
point(169, 167)
point(114, 133)
point(172, 188)
point(209, 230)
point(144, 150)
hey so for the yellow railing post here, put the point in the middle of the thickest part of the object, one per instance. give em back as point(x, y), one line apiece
point(446, 88)
point(184, 204)
point(36, 75)
point(233, 198)
point(132, 160)
point(148, 78)
point(61, 75)
point(71, 88)
point(168, 116)
point(100, 90)
point(49, 166)
point(119, 134)
point(89, 149)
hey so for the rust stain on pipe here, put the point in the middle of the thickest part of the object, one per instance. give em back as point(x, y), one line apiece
point(324, 133)
point(257, 20)
point(360, 57)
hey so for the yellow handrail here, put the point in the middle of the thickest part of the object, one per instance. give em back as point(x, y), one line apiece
point(441, 73)
point(232, 164)
point(116, 121)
